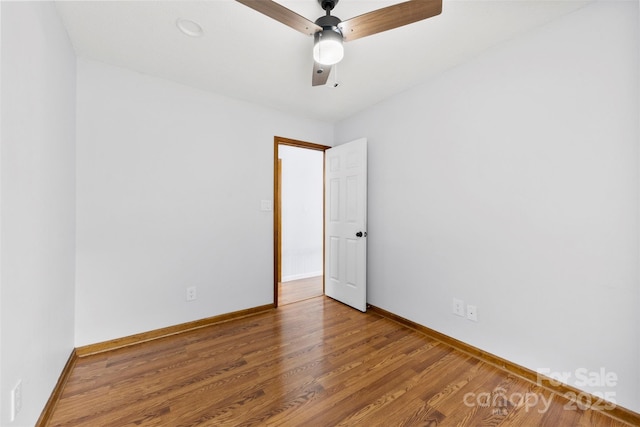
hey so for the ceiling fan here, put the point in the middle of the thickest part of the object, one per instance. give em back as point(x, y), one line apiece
point(329, 31)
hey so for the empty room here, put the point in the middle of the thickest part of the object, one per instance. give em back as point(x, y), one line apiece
point(478, 251)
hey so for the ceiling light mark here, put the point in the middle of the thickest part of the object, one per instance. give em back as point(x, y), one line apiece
point(189, 27)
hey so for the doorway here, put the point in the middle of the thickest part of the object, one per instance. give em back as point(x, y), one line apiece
point(298, 220)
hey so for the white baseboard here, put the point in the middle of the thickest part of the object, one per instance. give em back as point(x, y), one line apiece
point(301, 276)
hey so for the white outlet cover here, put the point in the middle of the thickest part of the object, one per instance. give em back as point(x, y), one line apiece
point(458, 307)
point(472, 313)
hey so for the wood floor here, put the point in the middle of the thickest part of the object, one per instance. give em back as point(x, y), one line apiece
point(312, 363)
point(298, 290)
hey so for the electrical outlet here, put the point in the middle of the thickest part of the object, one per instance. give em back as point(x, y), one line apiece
point(458, 307)
point(191, 293)
point(16, 400)
point(472, 313)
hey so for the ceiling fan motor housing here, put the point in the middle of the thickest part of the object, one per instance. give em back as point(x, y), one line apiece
point(329, 22)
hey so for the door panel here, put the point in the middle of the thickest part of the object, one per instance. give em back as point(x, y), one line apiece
point(346, 223)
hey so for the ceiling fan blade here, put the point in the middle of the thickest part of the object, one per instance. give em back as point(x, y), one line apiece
point(389, 17)
point(282, 14)
point(320, 74)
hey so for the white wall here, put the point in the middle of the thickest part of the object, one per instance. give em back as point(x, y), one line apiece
point(38, 143)
point(170, 181)
point(302, 222)
point(511, 182)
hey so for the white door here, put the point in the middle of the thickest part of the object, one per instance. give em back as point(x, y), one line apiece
point(346, 223)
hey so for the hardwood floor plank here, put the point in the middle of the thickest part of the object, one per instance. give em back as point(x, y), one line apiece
point(442, 375)
point(298, 290)
point(317, 363)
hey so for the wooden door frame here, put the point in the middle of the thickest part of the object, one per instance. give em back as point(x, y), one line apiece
point(277, 214)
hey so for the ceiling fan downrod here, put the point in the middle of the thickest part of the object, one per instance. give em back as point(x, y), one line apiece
point(328, 5)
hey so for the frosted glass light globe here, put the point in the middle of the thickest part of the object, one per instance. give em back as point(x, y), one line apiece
point(328, 49)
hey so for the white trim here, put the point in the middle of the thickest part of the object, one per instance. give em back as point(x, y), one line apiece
point(301, 276)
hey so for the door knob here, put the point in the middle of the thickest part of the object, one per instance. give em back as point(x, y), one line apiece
point(360, 234)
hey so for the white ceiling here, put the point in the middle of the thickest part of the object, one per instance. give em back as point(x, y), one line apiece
point(249, 56)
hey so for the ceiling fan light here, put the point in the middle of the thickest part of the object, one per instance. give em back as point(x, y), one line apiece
point(327, 47)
